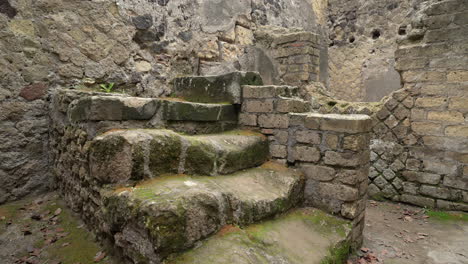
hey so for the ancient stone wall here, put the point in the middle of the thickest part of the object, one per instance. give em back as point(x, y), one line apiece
point(139, 45)
point(419, 154)
point(332, 150)
point(362, 42)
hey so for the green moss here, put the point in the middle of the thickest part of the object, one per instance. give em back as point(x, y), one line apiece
point(378, 197)
point(82, 248)
point(200, 158)
point(9, 212)
point(164, 157)
point(447, 216)
point(338, 254)
point(104, 150)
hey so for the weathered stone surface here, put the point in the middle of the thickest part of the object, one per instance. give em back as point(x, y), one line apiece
point(347, 159)
point(318, 173)
point(179, 210)
point(123, 155)
point(268, 91)
point(305, 153)
point(307, 136)
point(418, 200)
point(34, 91)
point(421, 177)
point(342, 123)
point(187, 111)
point(244, 246)
point(215, 89)
point(112, 108)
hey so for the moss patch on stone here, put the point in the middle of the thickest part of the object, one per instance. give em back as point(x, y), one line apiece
point(301, 236)
point(447, 216)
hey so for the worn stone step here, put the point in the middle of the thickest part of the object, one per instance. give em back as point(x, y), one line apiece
point(215, 89)
point(134, 154)
point(302, 236)
point(172, 213)
point(122, 108)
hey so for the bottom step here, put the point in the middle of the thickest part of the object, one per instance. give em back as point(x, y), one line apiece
point(170, 214)
point(303, 236)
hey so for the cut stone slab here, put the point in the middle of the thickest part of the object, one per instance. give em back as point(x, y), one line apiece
point(215, 89)
point(135, 154)
point(172, 213)
point(122, 108)
point(302, 236)
point(188, 111)
point(113, 108)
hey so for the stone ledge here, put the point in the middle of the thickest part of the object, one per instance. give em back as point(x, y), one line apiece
point(333, 122)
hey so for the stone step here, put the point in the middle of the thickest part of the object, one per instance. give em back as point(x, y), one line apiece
point(135, 154)
point(172, 213)
point(215, 89)
point(123, 108)
point(302, 236)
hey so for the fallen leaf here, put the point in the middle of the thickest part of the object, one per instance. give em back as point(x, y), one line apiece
point(59, 229)
point(99, 256)
point(58, 211)
point(365, 250)
point(65, 244)
point(408, 219)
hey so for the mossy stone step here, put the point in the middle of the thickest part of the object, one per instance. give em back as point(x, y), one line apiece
point(135, 154)
point(189, 111)
point(172, 213)
point(123, 108)
point(215, 89)
point(303, 236)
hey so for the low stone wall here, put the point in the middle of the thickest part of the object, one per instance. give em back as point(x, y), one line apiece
point(332, 150)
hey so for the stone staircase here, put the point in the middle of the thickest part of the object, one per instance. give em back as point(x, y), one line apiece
point(160, 194)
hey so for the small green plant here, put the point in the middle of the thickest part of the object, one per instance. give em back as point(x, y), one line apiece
point(107, 88)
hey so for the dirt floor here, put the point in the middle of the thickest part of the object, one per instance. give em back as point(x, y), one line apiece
point(402, 234)
point(43, 231)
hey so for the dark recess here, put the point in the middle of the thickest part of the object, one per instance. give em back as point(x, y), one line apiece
point(7, 9)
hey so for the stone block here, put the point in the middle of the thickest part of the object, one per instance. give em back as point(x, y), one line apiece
point(352, 177)
point(457, 131)
point(305, 153)
point(346, 159)
point(273, 121)
point(446, 116)
point(281, 136)
point(307, 136)
point(427, 128)
point(356, 142)
point(215, 89)
point(458, 76)
point(418, 200)
point(410, 188)
point(341, 123)
point(258, 106)
point(187, 111)
point(268, 91)
point(318, 173)
point(278, 151)
point(429, 102)
point(458, 103)
point(389, 174)
point(331, 141)
point(337, 191)
point(285, 105)
point(443, 167)
point(248, 119)
point(452, 206)
point(456, 182)
point(352, 210)
point(421, 177)
point(435, 192)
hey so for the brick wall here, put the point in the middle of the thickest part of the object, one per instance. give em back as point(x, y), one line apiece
point(332, 150)
point(420, 151)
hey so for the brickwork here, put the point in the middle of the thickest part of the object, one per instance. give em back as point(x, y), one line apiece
point(420, 151)
point(332, 150)
point(298, 57)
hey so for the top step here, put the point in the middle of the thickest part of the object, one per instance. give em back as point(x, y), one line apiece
point(215, 89)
